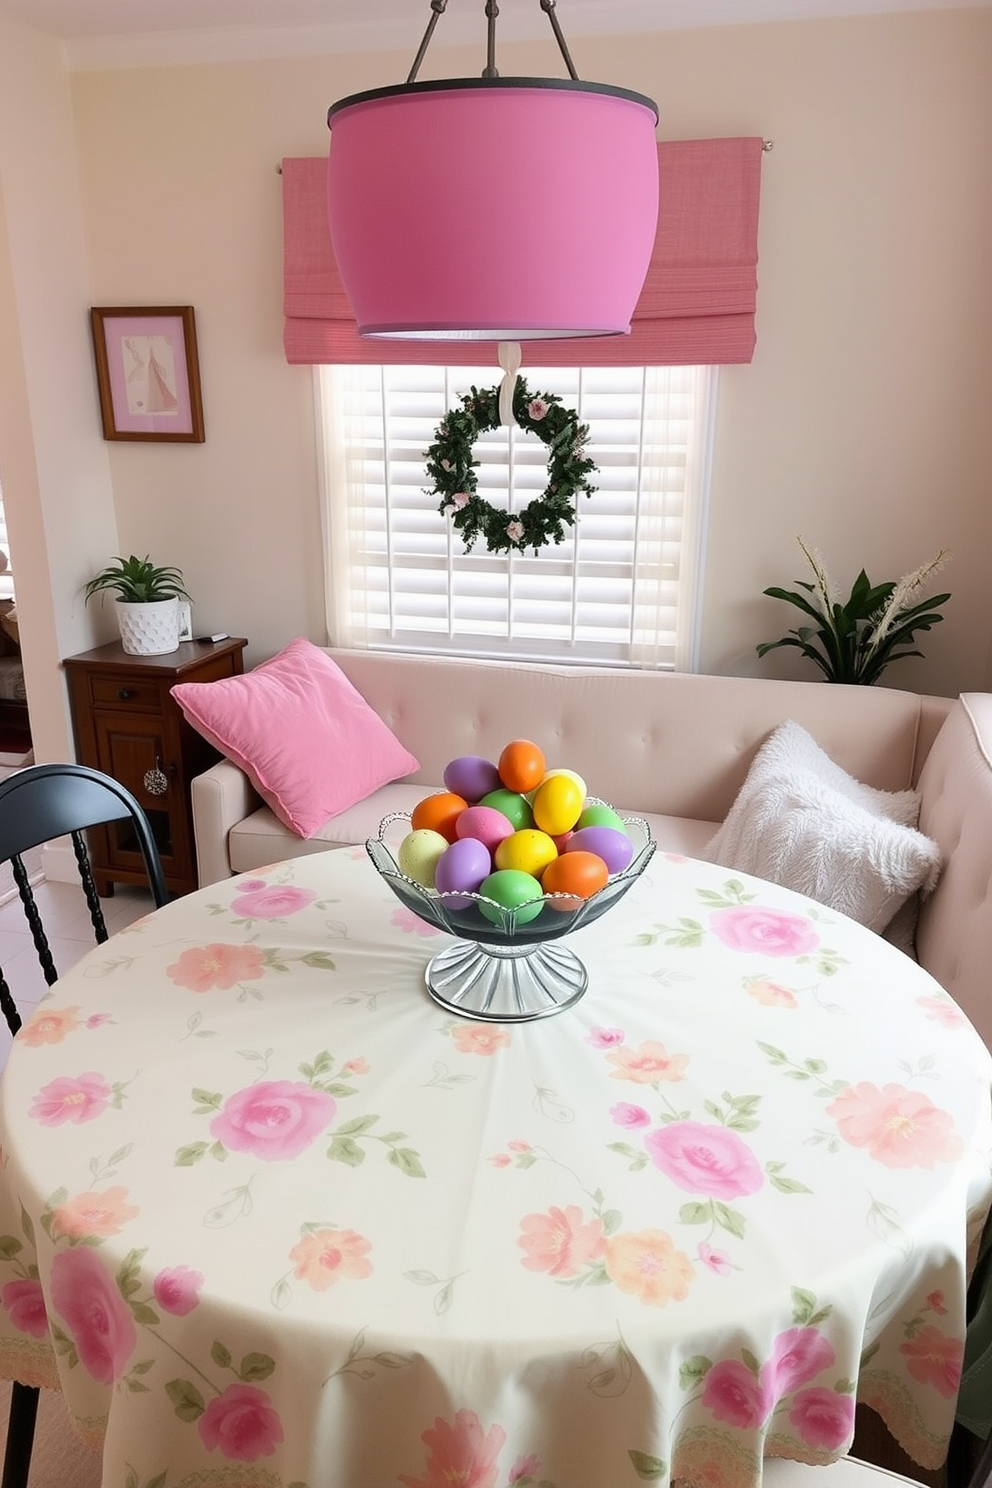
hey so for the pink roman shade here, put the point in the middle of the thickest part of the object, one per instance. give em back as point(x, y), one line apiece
point(696, 308)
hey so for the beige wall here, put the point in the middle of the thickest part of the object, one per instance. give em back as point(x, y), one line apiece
point(861, 424)
point(53, 463)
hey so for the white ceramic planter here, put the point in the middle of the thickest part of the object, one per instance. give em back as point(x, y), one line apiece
point(149, 629)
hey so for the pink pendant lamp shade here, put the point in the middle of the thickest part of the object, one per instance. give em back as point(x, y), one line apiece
point(493, 209)
point(503, 209)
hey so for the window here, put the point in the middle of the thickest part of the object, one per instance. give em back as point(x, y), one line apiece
point(620, 591)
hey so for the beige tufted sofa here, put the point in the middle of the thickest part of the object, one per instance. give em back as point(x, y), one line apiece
point(672, 747)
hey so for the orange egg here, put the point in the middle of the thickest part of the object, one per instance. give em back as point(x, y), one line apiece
point(521, 766)
point(438, 813)
point(577, 874)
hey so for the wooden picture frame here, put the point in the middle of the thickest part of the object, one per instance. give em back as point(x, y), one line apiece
point(148, 372)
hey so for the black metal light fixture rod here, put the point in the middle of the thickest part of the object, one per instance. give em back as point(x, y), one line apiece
point(437, 9)
point(492, 11)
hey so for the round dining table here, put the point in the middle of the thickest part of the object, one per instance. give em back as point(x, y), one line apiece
point(272, 1218)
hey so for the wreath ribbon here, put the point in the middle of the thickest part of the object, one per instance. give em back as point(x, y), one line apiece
point(509, 360)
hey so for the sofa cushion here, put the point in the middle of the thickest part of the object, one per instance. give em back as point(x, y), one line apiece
point(260, 839)
point(801, 821)
point(302, 733)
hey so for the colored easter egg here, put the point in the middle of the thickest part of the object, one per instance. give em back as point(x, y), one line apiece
point(438, 813)
point(460, 870)
point(515, 807)
point(596, 814)
point(484, 823)
point(418, 855)
point(529, 851)
point(615, 848)
point(471, 776)
point(577, 874)
point(570, 775)
point(521, 765)
point(558, 803)
point(511, 889)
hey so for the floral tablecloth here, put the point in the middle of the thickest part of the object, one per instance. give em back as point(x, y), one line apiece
point(269, 1216)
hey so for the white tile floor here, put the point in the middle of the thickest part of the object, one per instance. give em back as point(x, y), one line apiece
point(67, 924)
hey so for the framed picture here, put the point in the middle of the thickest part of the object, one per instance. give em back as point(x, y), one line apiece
point(148, 373)
point(185, 620)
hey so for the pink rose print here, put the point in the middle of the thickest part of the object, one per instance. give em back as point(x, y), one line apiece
point(257, 900)
point(525, 1467)
point(630, 1116)
point(934, 1359)
point(177, 1289)
point(24, 1303)
point(93, 1214)
point(359, 1066)
point(943, 1011)
point(605, 1038)
point(241, 1424)
point(647, 1064)
point(94, 1312)
point(325, 1256)
point(737, 1396)
point(480, 1038)
point(559, 1242)
point(769, 994)
point(405, 919)
point(518, 1145)
point(66, 1099)
point(823, 1418)
point(459, 1454)
point(899, 1127)
point(705, 1159)
point(798, 1356)
point(773, 932)
point(717, 1260)
point(216, 965)
point(48, 1026)
point(936, 1303)
point(501, 1160)
point(275, 1120)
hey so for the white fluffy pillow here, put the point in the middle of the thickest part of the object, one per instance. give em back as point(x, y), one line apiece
point(803, 822)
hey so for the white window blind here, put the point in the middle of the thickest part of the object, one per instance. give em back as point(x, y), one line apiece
point(619, 590)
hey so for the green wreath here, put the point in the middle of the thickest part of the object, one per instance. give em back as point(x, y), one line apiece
point(452, 469)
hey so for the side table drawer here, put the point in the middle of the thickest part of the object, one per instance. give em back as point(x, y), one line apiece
point(123, 692)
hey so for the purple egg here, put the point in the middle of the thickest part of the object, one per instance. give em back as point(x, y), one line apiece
point(460, 870)
point(615, 848)
point(485, 823)
point(471, 777)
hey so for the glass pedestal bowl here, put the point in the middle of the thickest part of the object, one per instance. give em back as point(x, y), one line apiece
point(505, 971)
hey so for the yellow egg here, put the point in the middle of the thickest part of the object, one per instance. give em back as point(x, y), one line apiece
point(528, 851)
point(558, 804)
point(419, 853)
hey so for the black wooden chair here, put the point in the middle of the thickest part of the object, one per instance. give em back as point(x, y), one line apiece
point(37, 805)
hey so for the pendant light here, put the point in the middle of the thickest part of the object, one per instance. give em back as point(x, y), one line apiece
point(491, 208)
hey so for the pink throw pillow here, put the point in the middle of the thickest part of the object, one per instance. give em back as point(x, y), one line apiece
point(302, 733)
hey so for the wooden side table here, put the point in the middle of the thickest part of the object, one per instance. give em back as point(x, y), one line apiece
point(126, 724)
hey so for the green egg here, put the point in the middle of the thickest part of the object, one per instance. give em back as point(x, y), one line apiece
point(515, 808)
point(601, 816)
point(511, 889)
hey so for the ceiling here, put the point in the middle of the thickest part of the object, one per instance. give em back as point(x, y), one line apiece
point(100, 33)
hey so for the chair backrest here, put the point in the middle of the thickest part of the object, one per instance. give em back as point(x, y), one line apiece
point(43, 802)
